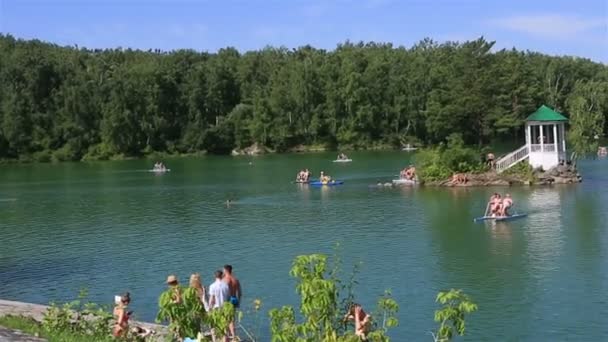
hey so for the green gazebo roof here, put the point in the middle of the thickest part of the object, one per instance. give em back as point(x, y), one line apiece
point(545, 113)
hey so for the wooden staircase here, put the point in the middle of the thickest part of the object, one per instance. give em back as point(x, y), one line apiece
point(512, 158)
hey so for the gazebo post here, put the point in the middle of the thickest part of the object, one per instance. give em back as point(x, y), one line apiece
point(528, 136)
point(563, 129)
point(555, 139)
point(542, 139)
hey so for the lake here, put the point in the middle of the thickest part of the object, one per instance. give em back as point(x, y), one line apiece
point(113, 227)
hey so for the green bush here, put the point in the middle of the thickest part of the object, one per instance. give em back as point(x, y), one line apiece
point(524, 171)
point(78, 317)
point(65, 153)
point(320, 309)
point(441, 162)
point(44, 156)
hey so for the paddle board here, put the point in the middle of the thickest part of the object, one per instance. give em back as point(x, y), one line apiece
point(332, 183)
point(342, 160)
point(404, 182)
point(499, 218)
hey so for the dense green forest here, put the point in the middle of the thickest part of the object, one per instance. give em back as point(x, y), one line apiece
point(69, 103)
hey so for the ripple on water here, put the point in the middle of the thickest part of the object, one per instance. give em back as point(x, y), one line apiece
point(117, 231)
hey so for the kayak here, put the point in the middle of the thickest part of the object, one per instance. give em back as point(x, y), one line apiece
point(401, 181)
point(330, 183)
point(302, 182)
point(159, 170)
point(499, 218)
point(342, 160)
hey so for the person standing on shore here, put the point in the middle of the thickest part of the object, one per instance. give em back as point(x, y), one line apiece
point(122, 316)
point(196, 284)
point(176, 296)
point(234, 287)
point(218, 292)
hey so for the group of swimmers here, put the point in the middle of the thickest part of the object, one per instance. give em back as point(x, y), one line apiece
point(408, 173)
point(303, 176)
point(159, 166)
point(499, 206)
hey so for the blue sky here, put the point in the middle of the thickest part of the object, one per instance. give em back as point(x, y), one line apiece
point(557, 27)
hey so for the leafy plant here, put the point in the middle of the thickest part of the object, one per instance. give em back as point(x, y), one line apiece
point(320, 307)
point(78, 316)
point(451, 316)
point(186, 316)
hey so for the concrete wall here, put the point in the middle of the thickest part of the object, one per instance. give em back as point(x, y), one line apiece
point(546, 160)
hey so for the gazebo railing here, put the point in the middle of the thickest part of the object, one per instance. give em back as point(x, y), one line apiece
point(512, 159)
point(547, 148)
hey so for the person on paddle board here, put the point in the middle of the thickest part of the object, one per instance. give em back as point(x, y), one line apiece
point(507, 203)
point(494, 204)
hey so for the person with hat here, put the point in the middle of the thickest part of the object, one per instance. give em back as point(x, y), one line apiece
point(176, 297)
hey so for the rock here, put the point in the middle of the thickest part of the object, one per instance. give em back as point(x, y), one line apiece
point(10, 335)
point(253, 150)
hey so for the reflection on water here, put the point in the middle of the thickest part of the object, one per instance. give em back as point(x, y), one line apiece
point(545, 238)
point(74, 225)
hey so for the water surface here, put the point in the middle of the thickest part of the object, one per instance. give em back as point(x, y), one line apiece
point(112, 227)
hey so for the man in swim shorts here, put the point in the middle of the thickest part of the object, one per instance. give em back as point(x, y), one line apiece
point(234, 287)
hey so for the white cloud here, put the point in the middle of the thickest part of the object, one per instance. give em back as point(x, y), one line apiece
point(551, 26)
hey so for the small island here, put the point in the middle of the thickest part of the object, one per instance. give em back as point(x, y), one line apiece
point(542, 160)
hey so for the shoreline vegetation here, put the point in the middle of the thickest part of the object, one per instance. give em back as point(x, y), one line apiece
point(326, 313)
point(70, 104)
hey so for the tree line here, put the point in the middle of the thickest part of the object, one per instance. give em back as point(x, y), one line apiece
point(69, 103)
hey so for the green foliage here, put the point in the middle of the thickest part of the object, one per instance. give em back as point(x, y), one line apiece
point(523, 171)
point(185, 317)
point(79, 317)
point(319, 291)
point(59, 103)
point(587, 104)
point(441, 162)
point(219, 319)
point(451, 316)
point(35, 328)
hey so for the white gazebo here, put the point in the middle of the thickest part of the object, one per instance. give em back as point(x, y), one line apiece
point(546, 138)
point(545, 141)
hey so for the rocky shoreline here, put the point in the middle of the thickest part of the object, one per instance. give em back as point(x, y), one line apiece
point(36, 312)
point(562, 174)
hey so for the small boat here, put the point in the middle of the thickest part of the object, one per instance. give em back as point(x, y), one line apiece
point(343, 160)
point(159, 170)
point(409, 147)
point(330, 183)
point(301, 182)
point(499, 218)
point(403, 181)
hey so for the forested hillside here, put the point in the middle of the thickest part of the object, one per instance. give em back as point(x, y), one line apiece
point(66, 103)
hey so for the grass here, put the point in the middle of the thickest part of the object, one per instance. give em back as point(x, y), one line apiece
point(34, 328)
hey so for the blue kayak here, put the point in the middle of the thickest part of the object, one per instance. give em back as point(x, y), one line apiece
point(331, 183)
point(499, 218)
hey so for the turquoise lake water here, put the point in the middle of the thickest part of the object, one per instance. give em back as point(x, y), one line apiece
point(113, 227)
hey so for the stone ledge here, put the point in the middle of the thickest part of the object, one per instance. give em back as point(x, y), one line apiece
point(36, 312)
